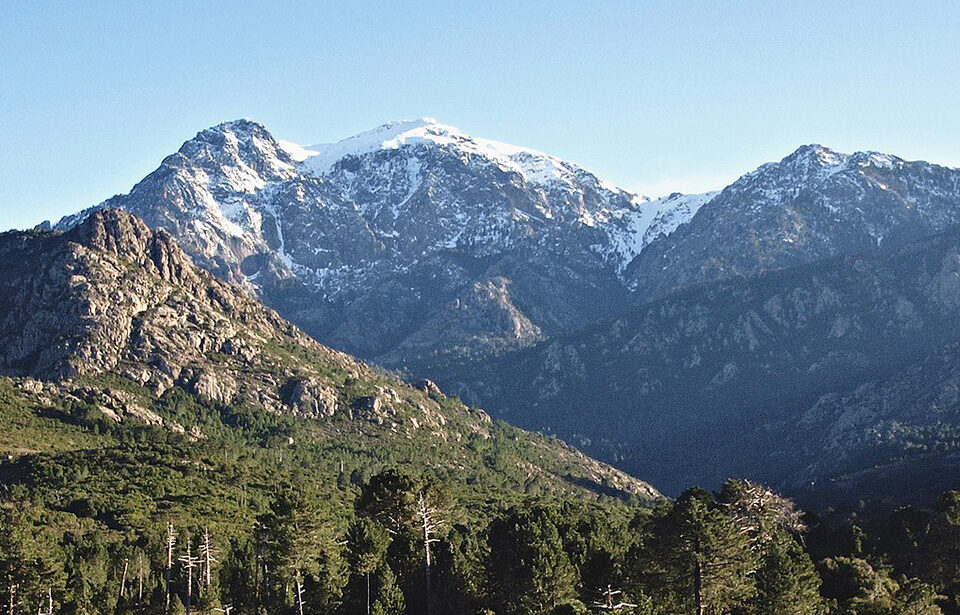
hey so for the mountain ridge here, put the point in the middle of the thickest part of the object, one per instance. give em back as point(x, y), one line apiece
point(427, 217)
point(815, 203)
point(418, 249)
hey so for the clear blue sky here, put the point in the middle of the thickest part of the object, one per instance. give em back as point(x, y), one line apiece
point(651, 95)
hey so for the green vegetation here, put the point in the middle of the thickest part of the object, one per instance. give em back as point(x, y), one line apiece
point(251, 512)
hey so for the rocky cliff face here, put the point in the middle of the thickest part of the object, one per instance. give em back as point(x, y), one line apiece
point(768, 376)
point(111, 295)
point(114, 314)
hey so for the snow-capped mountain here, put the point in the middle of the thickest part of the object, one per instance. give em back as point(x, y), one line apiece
point(373, 242)
point(813, 204)
point(414, 241)
point(216, 195)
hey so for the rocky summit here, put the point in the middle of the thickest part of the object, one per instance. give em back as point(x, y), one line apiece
point(814, 204)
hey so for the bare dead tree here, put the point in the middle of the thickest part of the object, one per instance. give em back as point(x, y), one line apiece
point(256, 568)
point(266, 583)
point(12, 588)
point(298, 580)
point(612, 600)
point(209, 556)
point(123, 578)
point(189, 562)
point(759, 512)
point(171, 542)
point(430, 521)
point(139, 580)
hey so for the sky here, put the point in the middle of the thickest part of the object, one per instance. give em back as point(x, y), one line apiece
point(655, 96)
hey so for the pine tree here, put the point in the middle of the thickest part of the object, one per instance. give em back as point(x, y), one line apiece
point(17, 561)
point(238, 575)
point(461, 583)
point(390, 499)
point(88, 566)
point(917, 598)
point(366, 547)
point(402, 503)
point(855, 585)
point(787, 582)
point(293, 538)
point(325, 586)
point(695, 548)
point(176, 605)
point(529, 570)
point(388, 599)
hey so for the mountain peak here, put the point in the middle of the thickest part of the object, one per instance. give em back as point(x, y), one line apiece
point(239, 126)
point(808, 162)
point(402, 126)
point(818, 156)
point(234, 131)
point(243, 137)
point(392, 135)
point(815, 155)
point(536, 167)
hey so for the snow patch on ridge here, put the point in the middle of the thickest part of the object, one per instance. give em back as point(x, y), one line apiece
point(297, 152)
point(633, 230)
point(536, 167)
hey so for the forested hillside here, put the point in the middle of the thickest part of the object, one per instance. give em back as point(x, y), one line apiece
point(400, 542)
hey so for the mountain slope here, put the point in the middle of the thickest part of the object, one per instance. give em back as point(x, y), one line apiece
point(114, 317)
point(892, 436)
point(813, 204)
point(369, 243)
point(757, 376)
